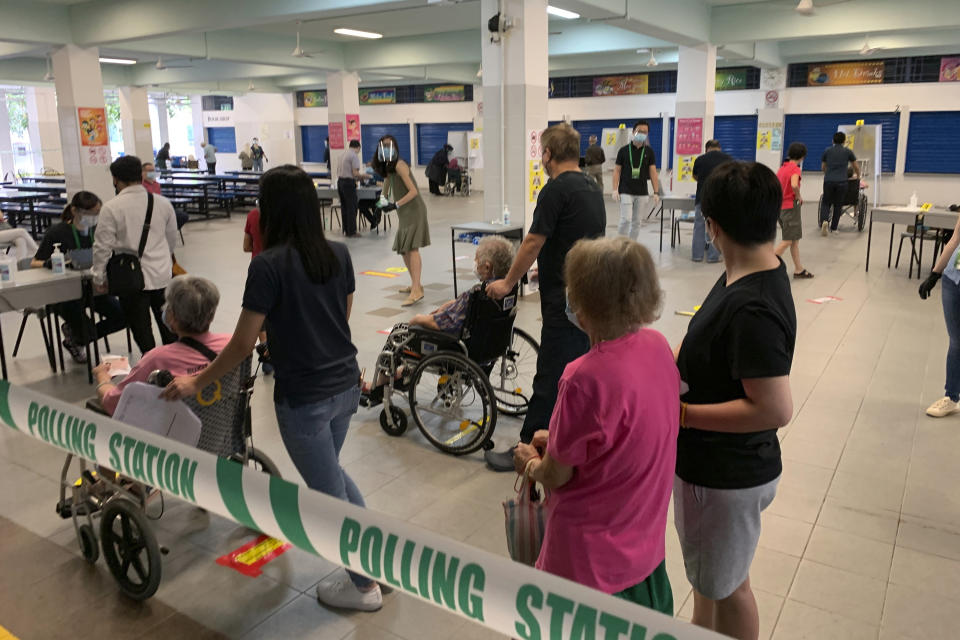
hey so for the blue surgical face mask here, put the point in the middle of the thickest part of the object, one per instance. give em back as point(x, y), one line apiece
point(639, 137)
point(152, 175)
point(571, 316)
point(386, 153)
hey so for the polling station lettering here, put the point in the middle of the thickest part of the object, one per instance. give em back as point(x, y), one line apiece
point(153, 465)
point(62, 430)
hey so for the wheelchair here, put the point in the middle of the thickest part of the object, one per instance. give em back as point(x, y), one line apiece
point(123, 506)
point(456, 386)
point(854, 203)
point(458, 182)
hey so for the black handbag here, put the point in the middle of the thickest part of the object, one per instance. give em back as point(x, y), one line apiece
point(124, 273)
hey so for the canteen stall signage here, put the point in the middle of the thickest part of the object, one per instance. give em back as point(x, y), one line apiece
point(730, 79)
point(621, 85)
point(378, 96)
point(309, 99)
point(490, 590)
point(445, 93)
point(845, 73)
point(949, 69)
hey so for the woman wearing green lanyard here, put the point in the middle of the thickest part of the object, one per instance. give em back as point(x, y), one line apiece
point(74, 234)
point(636, 163)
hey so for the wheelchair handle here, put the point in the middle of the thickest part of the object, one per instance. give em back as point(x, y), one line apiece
point(160, 377)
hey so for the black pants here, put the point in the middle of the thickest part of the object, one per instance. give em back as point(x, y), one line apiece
point(833, 194)
point(435, 188)
point(136, 309)
point(74, 314)
point(211, 168)
point(559, 346)
point(347, 190)
point(366, 210)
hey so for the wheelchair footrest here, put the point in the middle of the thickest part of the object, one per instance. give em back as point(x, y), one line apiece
point(65, 508)
point(371, 398)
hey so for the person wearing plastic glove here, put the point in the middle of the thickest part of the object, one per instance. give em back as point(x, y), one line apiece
point(950, 289)
point(636, 163)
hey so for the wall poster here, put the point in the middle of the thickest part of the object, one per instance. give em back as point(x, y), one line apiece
point(93, 126)
point(845, 73)
point(335, 133)
point(689, 136)
point(621, 85)
point(353, 126)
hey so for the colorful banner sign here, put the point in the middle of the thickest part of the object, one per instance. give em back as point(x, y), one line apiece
point(487, 589)
point(621, 85)
point(311, 99)
point(689, 136)
point(353, 126)
point(335, 133)
point(93, 126)
point(445, 93)
point(949, 69)
point(378, 96)
point(845, 73)
point(730, 79)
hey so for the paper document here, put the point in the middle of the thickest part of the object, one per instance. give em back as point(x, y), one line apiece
point(141, 406)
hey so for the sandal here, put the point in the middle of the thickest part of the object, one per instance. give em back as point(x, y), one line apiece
point(803, 275)
point(405, 289)
point(411, 300)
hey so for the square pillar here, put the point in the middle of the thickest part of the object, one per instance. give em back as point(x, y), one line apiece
point(696, 78)
point(343, 99)
point(7, 160)
point(135, 123)
point(515, 94)
point(79, 88)
point(770, 111)
point(43, 128)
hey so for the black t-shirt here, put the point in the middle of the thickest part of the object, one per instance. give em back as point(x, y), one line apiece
point(703, 165)
point(307, 330)
point(746, 330)
point(642, 159)
point(836, 158)
point(62, 233)
point(570, 207)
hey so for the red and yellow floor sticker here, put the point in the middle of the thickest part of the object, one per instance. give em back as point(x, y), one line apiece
point(249, 558)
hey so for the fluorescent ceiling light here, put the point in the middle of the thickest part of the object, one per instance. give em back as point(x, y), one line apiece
point(117, 61)
point(358, 34)
point(562, 13)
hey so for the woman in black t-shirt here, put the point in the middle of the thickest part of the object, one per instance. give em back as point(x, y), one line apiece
point(736, 360)
point(74, 234)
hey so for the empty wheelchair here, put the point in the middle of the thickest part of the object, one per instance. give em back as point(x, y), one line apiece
point(125, 506)
point(854, 203)
point(457, 385)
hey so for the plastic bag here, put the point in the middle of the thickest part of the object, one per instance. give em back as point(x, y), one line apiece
point(526, 520)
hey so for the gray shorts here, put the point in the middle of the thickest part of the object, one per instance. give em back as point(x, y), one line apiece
point(719, 530)
point(790, 223)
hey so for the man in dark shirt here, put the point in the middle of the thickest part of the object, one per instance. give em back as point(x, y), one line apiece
point(570, 207)
point(834, 164)
point(636, 163)
point(702, 166)
point(593, 161)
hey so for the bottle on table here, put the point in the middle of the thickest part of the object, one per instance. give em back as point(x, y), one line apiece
point(58, 262)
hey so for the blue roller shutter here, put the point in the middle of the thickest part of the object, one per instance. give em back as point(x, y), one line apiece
point(816, 131)
point(932, 142)
point(224, 139)
point(313, 142)
point(432, 137)
point(370, 134)
point(737, 135)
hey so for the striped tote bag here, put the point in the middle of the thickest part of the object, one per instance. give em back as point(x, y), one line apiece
point(526, 520)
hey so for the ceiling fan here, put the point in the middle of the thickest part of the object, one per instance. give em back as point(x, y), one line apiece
point(298, 51)
point(807, 8)
point(161, 65)
point(652, 62)
point(866, 49)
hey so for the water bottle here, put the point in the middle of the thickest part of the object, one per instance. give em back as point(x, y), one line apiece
point(913, 200)
point(506, 215)
point(58, 261)
point(8, 269)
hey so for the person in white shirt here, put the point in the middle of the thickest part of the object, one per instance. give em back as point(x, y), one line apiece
point(210, 155)
point(118, 231)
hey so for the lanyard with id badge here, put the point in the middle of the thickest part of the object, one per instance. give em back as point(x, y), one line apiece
point(635, 171)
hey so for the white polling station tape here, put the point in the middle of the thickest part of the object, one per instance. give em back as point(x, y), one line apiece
point(498, 593)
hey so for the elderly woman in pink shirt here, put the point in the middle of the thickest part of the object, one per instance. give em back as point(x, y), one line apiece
point(191, 303)
point(610, 452)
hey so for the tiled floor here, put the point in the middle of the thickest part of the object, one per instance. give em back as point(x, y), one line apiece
point(862, 541)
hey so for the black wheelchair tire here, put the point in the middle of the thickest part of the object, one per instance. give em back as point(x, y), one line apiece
point(124, 551)
point(862, 213)
point(399, 418)
point(504, 406)
point(259, 461)
point(483, 434)
point(88, 543)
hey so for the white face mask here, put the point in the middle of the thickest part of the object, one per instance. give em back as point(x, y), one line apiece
point(639, 137)
point(151, 175)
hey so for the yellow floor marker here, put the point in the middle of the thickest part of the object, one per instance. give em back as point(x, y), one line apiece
point(6, 635)
point(379, 274)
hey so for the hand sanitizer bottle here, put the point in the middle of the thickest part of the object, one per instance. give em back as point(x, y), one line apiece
point(506, 215)
point(913, 200)
point(8, 269)
point(57, 260)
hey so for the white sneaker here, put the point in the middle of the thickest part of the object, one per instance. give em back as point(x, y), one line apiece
point(339, 591)
point(943, 407)
point(824, 228)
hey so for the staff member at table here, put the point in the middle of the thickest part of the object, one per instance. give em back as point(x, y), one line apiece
point(119, 230)
point(74, 235)
point(347, 177)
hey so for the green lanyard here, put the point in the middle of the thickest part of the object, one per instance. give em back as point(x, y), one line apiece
point(75, 236)
point(642, 152)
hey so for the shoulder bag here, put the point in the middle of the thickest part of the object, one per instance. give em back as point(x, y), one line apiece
point(124, 273)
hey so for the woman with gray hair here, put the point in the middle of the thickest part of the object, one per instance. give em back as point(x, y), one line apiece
point(191, 303)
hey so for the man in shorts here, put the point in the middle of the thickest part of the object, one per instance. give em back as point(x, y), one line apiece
point(791, 225)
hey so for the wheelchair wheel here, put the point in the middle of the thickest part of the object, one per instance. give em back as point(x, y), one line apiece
point(862, 213)
point(399, 426)
point(88, 543)
point(259, 461)
point(512, 374)
point(130, 549)
point(452, 403)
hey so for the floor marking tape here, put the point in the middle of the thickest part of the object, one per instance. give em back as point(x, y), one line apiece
point(250, 558)
point(379, 274)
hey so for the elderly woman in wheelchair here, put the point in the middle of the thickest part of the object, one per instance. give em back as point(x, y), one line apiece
point(458, 364)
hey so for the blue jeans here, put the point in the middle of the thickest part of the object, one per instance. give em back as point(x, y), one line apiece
point(951, 314)
point(313, 435)
point(258, 164)
point(700, 241)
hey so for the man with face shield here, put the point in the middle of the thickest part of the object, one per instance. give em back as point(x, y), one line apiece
point(122, 228)
point(570, 207)
point(636, 163)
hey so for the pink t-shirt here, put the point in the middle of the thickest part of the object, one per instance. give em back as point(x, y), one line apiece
point(616, 422)
point(177, 358)
point(784, 175)
point(153, 187)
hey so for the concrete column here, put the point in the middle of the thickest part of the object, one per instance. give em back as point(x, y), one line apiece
point(343, 99)
point(163, 121)
point(773, 83)
point(199, 132)
point(135, 122)
point(696, 78)
point(7, 161)
point(79, 85)
point(43, 127)
point(514, 107)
